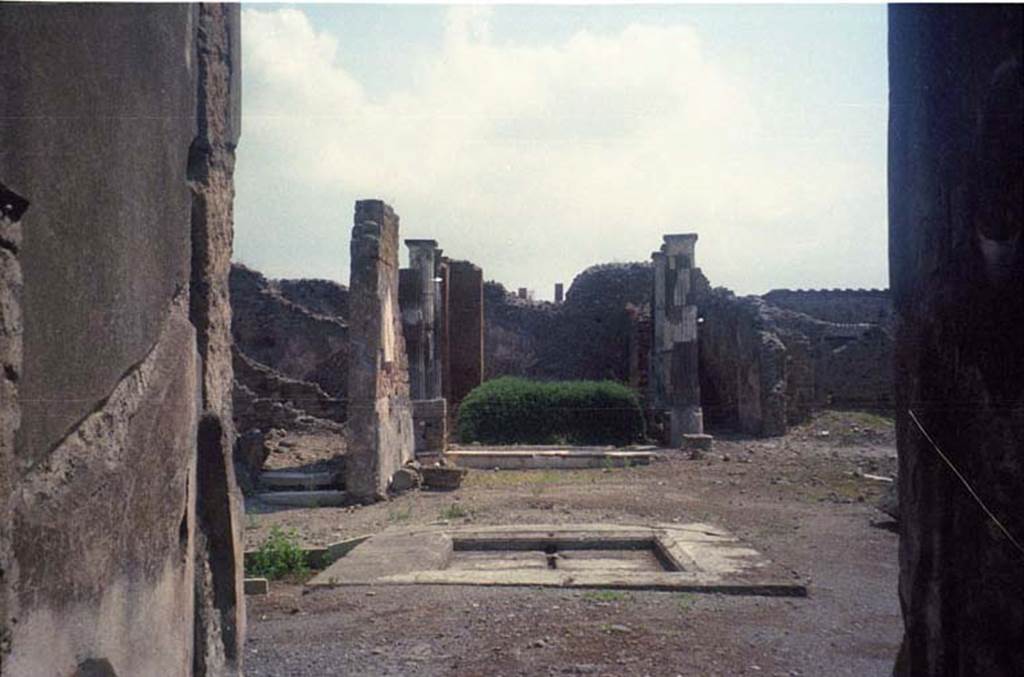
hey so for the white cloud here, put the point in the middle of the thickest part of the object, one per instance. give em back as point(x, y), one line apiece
point(536, 161)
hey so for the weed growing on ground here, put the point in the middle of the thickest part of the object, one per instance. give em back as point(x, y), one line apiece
point(279, 556)
point(400, 514)
point(454, 511)
point(606, 596)
point(685, 600)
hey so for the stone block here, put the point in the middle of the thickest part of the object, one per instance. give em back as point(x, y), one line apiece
point(256, 586)
point(430, 420)
point(697, 442)
point(443, 477)
point(405, 479)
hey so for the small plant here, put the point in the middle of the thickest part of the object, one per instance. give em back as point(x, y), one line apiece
point(685, 601)
point(606, 596)
point(400, 514)
point(453, 511)
point(279, 556)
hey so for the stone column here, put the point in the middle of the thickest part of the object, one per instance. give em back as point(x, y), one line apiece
point(442, 326)
point(675, 381)
point(380, 411)
point(559, 292)
point(410, 303)
point(425, 374)
point(956, 267)
point(466, 331)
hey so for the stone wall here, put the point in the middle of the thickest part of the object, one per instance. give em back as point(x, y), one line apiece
point(859, 373)
point(585, 337)
point(320, 297)
point(516, 330)
point(380, 411)
point(120, 534)
point(258, 389)
point(842, 306)
point(762, 367)
point(765, 368)
point(742, 366)
point(956, 255)
point(279, 323)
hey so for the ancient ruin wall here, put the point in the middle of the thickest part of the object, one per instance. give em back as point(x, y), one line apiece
point(843, 306)
point(119, 128)
point(956, 261)
point(585, 337)
point(271, 324)
point(220, 603)
point(742, 366)
point(321, 297)
point(380, 411)
point(264, 383)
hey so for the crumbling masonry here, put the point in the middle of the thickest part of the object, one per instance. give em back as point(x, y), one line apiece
point(421, 292)
point(380, 410)
point(119, 532)
point(674, 380)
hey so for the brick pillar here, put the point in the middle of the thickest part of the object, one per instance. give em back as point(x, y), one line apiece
point(466, 329)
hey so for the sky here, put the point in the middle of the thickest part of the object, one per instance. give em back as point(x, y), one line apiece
point(537, 140)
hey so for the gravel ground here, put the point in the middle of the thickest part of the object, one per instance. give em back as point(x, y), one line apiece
point(801, 500)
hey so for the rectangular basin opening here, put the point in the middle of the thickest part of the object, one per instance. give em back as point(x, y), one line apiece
point(609, 555)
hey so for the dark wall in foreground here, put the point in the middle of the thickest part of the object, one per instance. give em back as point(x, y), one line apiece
point(120, 536)
point(956, 189)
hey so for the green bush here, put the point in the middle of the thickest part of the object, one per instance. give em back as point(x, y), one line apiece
point(512, 410)
point(279, 556)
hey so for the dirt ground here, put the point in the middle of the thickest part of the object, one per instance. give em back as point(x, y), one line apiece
point(801, 500)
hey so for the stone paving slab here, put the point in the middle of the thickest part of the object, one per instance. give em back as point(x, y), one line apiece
point(705, 559)
point(547, 459)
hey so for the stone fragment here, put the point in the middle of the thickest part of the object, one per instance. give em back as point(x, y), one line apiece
point(697, 442)
point(256, 586)
point(443, 477)
point(405, 479)
point(430, 418)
